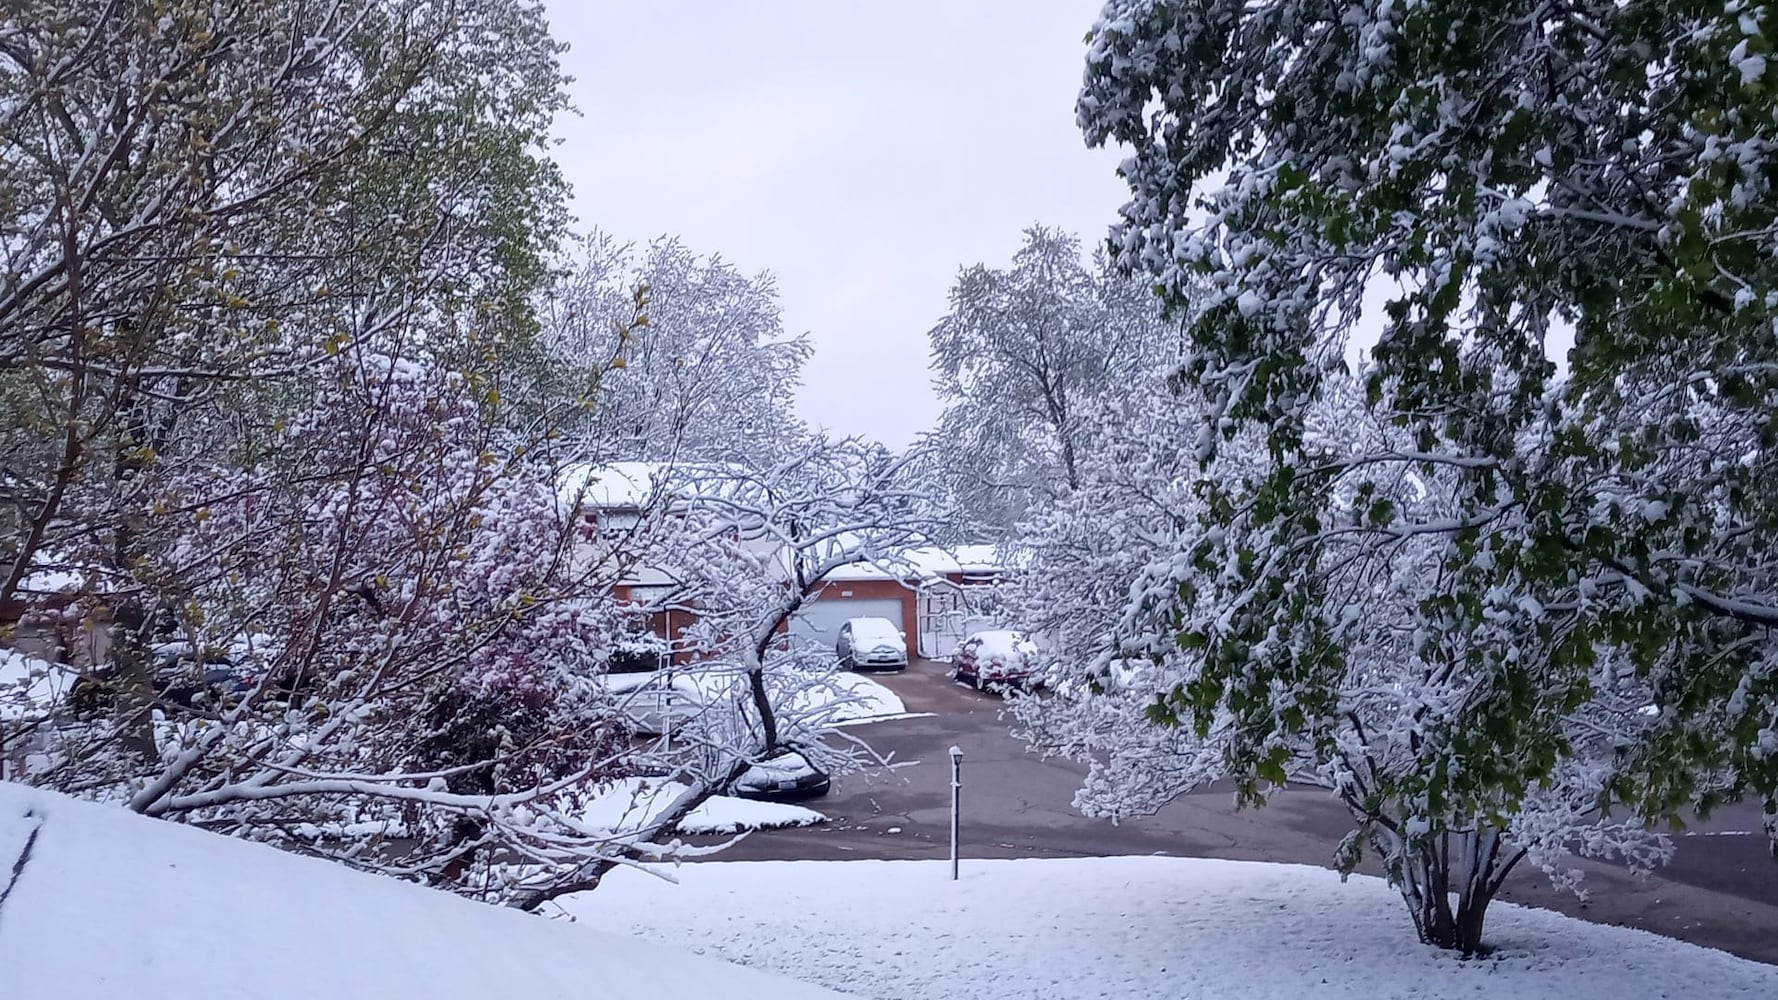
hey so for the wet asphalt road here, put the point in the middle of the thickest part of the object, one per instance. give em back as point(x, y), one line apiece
point(1721, 890)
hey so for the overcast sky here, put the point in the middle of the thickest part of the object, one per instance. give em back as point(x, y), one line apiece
point(861, 153)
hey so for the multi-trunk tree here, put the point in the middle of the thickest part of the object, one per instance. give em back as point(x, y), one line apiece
point(1127, 581)
point(265, 271)
point(206, 202)
point(1574, 563)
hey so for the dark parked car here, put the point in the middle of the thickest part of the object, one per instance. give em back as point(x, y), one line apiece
point(180, 676)
point(997, 658)
point(786, 775)
point(184, 676)
point(871, 644)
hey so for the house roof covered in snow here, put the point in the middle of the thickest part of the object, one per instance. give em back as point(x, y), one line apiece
point(639, 485)
point(615, 486)
point(930, 562)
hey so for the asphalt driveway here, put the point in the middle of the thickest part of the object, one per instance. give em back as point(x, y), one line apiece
point(1721, 890)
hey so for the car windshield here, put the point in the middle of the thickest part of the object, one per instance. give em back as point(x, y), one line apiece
point(998, 643)
point(870, 631)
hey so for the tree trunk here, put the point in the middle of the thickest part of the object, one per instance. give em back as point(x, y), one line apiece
point(1462, 865)
point(132, 677)
point(132, 668)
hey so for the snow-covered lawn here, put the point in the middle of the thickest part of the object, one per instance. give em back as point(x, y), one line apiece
point(109, 904)
point(849, 699)
point(630, 804)
point(1133, 929)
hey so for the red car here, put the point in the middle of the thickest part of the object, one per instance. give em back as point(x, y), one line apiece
point(996, 658)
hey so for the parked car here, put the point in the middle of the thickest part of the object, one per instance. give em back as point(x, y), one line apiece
point(996, 658)
point(871, 643)
point(656, 704)
point(187, 676)
point(786, 775)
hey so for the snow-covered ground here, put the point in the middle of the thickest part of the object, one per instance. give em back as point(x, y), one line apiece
point(109, 904)
point(848, 699)
point(1133, 929)
point(632, 803)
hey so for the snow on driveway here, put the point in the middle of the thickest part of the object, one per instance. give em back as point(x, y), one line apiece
point(848, 699)
point(1134, 929)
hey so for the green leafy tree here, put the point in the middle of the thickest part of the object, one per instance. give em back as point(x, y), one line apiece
point(203, 202)
point(1500, 176)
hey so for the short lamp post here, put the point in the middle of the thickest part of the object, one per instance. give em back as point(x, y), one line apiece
point(956, 802)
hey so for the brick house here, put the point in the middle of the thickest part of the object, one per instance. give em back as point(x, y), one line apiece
point(931, 593)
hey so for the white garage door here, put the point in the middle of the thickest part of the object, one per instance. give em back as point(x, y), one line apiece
point(819, 621)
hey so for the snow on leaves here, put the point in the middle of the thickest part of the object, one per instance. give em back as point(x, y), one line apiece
point(1550, 550)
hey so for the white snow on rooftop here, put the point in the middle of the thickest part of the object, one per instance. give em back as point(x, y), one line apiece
point(109, 904)
point(638, 485)
point(617, 486)
point(925, 563)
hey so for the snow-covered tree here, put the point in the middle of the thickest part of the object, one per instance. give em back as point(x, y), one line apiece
point(265, 277)
point(413, 639)
point(1577, 572)
point(1122, 578)
point(1023, 360)
point(746, 547)
point(1133, 507)
point(206, 202)
point(710, 377)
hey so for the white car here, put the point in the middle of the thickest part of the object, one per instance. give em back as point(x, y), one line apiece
point(656, 703)
point(871, 644)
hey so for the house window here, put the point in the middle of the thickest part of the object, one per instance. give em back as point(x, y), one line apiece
point(617, 522)
point(650, 593)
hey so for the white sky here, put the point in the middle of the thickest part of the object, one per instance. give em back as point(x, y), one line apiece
point(861, 153)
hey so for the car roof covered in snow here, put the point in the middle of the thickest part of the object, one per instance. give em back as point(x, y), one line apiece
point(874, 628)
point(998, 639)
